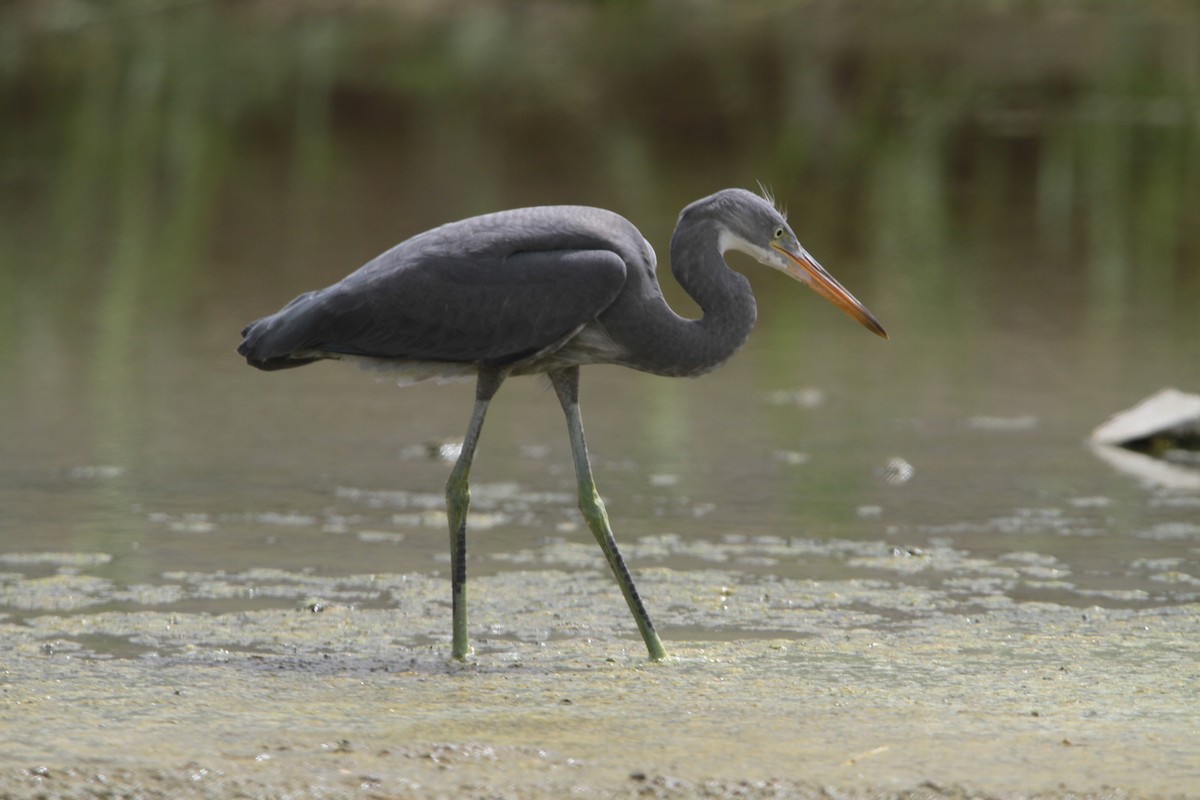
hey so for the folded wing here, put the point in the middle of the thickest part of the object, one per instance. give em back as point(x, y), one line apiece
point(464, 307)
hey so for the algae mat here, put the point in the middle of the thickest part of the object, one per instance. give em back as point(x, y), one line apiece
point(827, 695)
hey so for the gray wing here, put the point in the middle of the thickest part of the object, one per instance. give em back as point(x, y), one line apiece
point(490, 290)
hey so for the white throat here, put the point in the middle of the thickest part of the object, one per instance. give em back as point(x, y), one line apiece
point(728, 240)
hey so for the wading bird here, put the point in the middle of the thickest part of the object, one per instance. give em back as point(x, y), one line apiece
point(545, 290)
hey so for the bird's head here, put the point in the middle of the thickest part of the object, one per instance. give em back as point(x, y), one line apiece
point(752, 225)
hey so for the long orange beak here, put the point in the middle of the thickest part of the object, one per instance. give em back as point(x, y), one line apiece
point(806, 270)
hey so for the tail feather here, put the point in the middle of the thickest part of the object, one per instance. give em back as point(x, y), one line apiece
point(281, 340)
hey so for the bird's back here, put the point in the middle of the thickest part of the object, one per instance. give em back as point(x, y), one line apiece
point(492, 290)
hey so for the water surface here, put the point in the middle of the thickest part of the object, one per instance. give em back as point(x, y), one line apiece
point(154, 230)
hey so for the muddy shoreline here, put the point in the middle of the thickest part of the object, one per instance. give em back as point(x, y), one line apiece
point(330, 698)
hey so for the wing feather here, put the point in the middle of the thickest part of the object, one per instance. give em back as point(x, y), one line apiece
point(470, 307)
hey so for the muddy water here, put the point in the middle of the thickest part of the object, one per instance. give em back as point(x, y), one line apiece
point(843, 455)
point(881, 566)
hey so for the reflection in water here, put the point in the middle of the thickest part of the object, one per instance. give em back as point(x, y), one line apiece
point(1012, 190)
point(1153, 471)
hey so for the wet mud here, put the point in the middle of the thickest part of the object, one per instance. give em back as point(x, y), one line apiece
point(308, 686)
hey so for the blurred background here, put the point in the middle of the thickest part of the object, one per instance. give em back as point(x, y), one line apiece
point(1011, 187)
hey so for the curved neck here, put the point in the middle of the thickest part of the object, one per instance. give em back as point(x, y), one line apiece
point(685, 347)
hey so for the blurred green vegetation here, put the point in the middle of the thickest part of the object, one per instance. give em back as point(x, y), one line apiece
point(898, 128)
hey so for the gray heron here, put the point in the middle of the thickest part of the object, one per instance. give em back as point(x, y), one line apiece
point(545, 290)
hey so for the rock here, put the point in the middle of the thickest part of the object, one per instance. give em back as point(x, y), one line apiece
point(1156, 441)
point(1169, 414)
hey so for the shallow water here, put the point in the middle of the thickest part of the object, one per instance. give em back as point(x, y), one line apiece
point(825, 436)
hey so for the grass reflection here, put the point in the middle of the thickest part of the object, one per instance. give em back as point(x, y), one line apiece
point(155, 151)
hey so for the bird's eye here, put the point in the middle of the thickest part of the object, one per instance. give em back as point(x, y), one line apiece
point(779, 231)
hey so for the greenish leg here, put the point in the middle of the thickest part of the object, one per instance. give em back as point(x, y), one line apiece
point(566, 384)
point(458, 500)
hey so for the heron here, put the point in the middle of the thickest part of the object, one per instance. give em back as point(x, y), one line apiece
point(545, 290)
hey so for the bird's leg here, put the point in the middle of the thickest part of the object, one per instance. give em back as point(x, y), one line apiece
point(566, 384)
point(458, 499)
